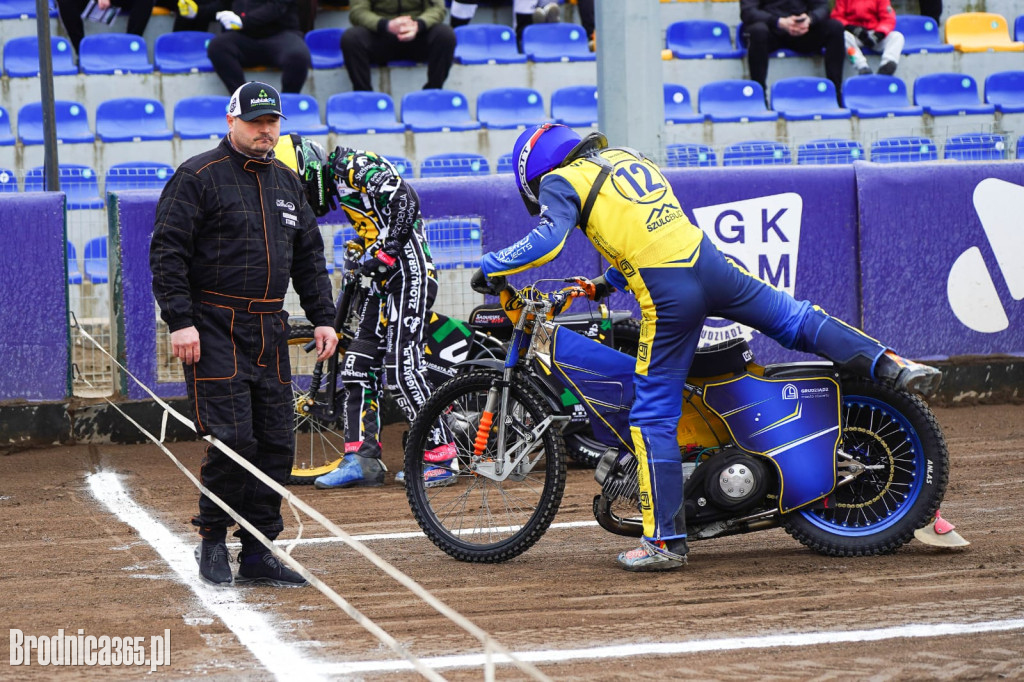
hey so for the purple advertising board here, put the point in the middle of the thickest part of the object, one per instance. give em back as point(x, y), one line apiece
point(942, 257)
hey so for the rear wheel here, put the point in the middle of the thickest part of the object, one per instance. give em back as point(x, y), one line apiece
point(319, 427)
point(475, 518)
point(897, 439)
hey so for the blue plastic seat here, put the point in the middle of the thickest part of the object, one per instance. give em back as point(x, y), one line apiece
point(21, 9)
point(806, 98)
point(302, 115)
point(325, 47)
point(74, 274)
point(505, 108)
point(575, 105)
point(1020, 147)
point(8, 181)
point(113, 53)
point(486, 44)
point(829, 152)
point(878, 96)
point(975, 147)
point(735, 100)
point(131, 119)
point(362, 112)
point(6, 134)
point(137, 175)
point(690, 154)
point(403, 165)
point(97, 267)
point(920, 34)
point(202, 117)
point(559, 42)
point(1004, 89)
point(505, 164)
point(779, 53)
point(455, 164)
point(701, 39)
point(1018, 29)
point(455, 242)
point(679, 106)
point(21, 57)
point(903, 149)
point(79, 183)
point(182, 52)
point(756, 153)
point(72, 123)
point(949, 94)
point(437, 110)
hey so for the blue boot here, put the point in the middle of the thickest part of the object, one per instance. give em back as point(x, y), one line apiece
point(354, 471)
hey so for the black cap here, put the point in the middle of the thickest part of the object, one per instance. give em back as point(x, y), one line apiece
point(255, 99)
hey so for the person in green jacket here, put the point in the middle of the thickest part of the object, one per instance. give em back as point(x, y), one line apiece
point(390, 30)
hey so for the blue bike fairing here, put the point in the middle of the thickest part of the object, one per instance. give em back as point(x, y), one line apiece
point(794, 422)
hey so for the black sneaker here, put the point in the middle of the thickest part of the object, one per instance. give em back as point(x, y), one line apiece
point(906, 375)
point(864, 70)
point(266, 569)
point(214, 564)
point(887, 68)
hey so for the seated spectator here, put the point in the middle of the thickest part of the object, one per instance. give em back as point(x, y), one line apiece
point(70, 12)
point(525, 12)
point(870, 24)
point(932, 8)
point(260, 33)
point(799, 25)
point(380, 33)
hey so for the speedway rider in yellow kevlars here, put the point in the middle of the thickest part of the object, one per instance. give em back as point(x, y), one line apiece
point(628, 210)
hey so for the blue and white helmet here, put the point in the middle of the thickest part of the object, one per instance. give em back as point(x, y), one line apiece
point(539, 150)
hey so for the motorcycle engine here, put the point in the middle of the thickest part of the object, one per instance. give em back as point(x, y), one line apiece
point(732, 481)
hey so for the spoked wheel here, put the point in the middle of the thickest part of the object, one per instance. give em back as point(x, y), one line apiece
point(897, 440)
point(474, 518)
point(319, 427)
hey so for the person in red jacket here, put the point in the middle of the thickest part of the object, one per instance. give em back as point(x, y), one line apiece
point(870, 24)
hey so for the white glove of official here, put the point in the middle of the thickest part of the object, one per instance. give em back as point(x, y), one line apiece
point(229, 20)
point(188, 8)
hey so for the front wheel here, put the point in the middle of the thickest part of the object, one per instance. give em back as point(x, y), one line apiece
point(319, 427)
point(896, 437)
point(474, 518)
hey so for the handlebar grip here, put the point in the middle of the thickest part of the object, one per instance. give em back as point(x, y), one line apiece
point(309, 346)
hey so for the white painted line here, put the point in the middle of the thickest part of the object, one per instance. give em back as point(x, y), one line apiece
point(697, 646)
point(253, 629)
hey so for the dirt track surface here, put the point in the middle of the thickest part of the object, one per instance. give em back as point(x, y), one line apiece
point(67, 562)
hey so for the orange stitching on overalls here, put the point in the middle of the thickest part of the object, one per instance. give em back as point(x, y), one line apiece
point(234, 349)
point(279, 379)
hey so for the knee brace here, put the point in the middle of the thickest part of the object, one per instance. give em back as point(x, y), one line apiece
point(360, 362)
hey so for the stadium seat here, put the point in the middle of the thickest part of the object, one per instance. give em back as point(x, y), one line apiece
point(21, 9)
point(780, 53)
point(455, 242)
point(6, 134)
point(575, 105)
point(829, 152)
point(21, 57)
point(402, 165)
point(362, 112)
point(878, 96)
point(302, 115)
point(756, 153)
point(72, 123)
point(505, 108)
point(1018, 28)
point(486, 44)
point(949, 94)
point(975, 147)
point(456, 164)
point(97, 267)
point(131, 119)
point(113, 53)
point(79, 183)
point(1004, 89)
point(505, 164)
point(74, 274)
point(903, 149)
point(182, 52)
point(690, 154)
point(1020, 147)
point(8, 181)
point(137, 175)
point(436, 111)
point(558, 42)
point(737, 100)
point(701, 39)
point(806, 98)
point(201, 117)
point(679, 106)
point(920, 34)
point(325, 47)
point(980, 32)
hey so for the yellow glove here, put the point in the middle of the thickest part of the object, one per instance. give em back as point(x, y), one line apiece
point(188, 8)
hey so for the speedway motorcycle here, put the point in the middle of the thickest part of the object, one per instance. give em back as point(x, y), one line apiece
point(846, 466)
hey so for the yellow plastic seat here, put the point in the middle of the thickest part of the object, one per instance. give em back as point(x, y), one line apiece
point(980, 32)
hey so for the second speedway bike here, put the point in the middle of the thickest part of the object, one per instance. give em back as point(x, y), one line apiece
point(846, 466)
